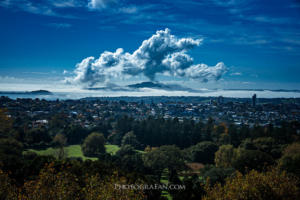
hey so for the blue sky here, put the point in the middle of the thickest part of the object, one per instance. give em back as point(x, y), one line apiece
point(257, 40)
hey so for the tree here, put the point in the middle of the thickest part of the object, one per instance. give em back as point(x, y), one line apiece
point(60, 140)
point(268, 145)
point(130, 139)
point(125, 150)
point(206, 135)
point(218, 130)
point(52, 184)
point(129, 159)
point(62, 183)
point(36, 136)
point(123, 124)
point(93, 145)
point(75, 134)
point(224, 139)
point(234, 136)
point(11, 158)
point(290, 160)
point(248, 144)
point(168, 156)
point(69, 180)
point(216, 174)
point(225, 156)
point(203, 152)
point(252, 159)
point(108, 189)
point(273, 184)
point(147, 149)
point(7, 190)
point(6, 123)
point(193, 187)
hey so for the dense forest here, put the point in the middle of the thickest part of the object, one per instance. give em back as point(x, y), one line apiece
point(212, 160)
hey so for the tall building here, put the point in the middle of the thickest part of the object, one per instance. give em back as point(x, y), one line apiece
point(220, 100)
point(254, 100)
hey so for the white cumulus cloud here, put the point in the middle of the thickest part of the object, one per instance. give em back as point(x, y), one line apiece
point(101, 4)
point(162, 53)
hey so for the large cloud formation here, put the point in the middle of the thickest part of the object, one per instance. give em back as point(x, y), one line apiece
point(162, 53)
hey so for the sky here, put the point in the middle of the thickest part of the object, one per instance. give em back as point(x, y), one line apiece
point(72, 45)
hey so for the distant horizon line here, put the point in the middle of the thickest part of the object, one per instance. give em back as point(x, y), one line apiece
point(89, 89)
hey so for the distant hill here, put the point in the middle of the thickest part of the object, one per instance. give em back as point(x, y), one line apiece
point(147, 85)
point(157, 85)
point(35, 92)
point(44, 92)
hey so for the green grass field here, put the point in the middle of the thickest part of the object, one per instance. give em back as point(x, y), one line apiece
point(75, 151)
point(112, 149)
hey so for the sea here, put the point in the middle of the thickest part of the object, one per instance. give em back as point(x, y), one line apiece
point(155, 92)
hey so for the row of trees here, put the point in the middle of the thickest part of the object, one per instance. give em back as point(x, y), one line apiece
point(160, 131)
point(151, 131)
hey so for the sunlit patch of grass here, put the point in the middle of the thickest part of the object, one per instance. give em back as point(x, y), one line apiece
point(72, 151)
point(112, 149)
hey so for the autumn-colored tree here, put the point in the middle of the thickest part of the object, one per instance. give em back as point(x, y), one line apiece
point(225, 156)
point(52, 184)
point(61, 184)
point(130, 139)
point(224, 139)
point(216, 174)
point(7, 190)
point(109, 188)
point(290, 160)
point(273, 184)
point(218, 130)
point(147, 149)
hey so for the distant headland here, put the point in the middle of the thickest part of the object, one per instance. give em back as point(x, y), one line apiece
point(35, 92)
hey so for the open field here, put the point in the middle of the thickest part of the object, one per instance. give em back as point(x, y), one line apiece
point(75, 151)
point(112, 149)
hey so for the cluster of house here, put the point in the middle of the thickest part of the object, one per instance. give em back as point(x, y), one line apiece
point(89, 112)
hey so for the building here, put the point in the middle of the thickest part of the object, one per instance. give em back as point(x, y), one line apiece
point(254, 100)
point(220, 100)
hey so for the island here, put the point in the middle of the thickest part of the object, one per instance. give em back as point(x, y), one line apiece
point(35, 92)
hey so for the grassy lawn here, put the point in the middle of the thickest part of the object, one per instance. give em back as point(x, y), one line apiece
point(112, 149)
point(166, 194)
point(72, 151)
point(140, 151)
point(75, 151)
